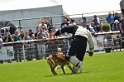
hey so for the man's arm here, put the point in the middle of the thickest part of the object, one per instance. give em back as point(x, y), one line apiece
point(68, 29)
point(91, 44)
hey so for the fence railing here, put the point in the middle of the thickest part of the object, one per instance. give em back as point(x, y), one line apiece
point(32, 49)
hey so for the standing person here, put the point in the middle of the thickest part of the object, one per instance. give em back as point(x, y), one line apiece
point(122, 6)
point(93, 26)
point(49, 27)
point(83, 22)
point(26, 36)
point(12, 29)
point(33, 37)
point(16, 36)
point(51, 34)
point(96, 20)
point(72, 22)
point(90, 28)
point(37, 31)
point(41, 47)
point(42, 25)
point(21, 34)
point(109, 18)
point(30, 32)
point(117, 17)
point(8, 38)
point(78, 46)
point(64, 23)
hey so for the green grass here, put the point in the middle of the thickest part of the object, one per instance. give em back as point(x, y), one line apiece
point(106, 67)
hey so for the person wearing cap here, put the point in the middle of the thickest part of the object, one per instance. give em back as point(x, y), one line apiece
point(12, 29)
point(77, 50)
point(115, 26)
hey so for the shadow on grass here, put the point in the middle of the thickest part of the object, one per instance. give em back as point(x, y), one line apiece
point(66, 74)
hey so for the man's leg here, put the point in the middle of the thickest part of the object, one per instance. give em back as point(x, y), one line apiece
point(80, 55)
point(76, 54)
point(77, 64)
point(79, 52)
point(71, 55)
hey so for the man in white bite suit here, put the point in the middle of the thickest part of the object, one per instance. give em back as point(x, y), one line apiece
point(77, 50)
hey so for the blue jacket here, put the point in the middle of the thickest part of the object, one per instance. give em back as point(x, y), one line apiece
point(110, 19)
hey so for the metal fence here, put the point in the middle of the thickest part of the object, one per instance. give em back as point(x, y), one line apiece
point(40, 49)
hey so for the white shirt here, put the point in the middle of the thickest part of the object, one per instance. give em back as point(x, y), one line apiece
point(42, 26)
point(85, 33)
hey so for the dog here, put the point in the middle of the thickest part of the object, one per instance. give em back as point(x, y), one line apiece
point(54, 60)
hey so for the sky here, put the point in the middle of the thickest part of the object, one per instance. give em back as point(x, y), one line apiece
point(86, 6)
point(70, 6)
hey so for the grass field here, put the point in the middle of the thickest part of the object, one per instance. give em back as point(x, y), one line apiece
point(106, 67)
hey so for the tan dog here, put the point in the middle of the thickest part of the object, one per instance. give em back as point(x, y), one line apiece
point(54, 60)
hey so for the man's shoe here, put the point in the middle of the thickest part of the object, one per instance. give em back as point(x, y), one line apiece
point(79, 66)
point(75, 69)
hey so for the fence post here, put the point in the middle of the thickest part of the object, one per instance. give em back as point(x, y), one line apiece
point(51, 21)
point(113, 13)
point(23, 51)
point(82, 17)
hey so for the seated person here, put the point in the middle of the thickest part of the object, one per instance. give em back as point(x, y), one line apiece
point(115, 26)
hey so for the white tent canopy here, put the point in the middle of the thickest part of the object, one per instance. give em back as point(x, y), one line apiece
point(24, 4)
point(70, 6)
point(11, 10)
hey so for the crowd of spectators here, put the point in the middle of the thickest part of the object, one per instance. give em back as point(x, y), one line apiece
point(46, 30)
